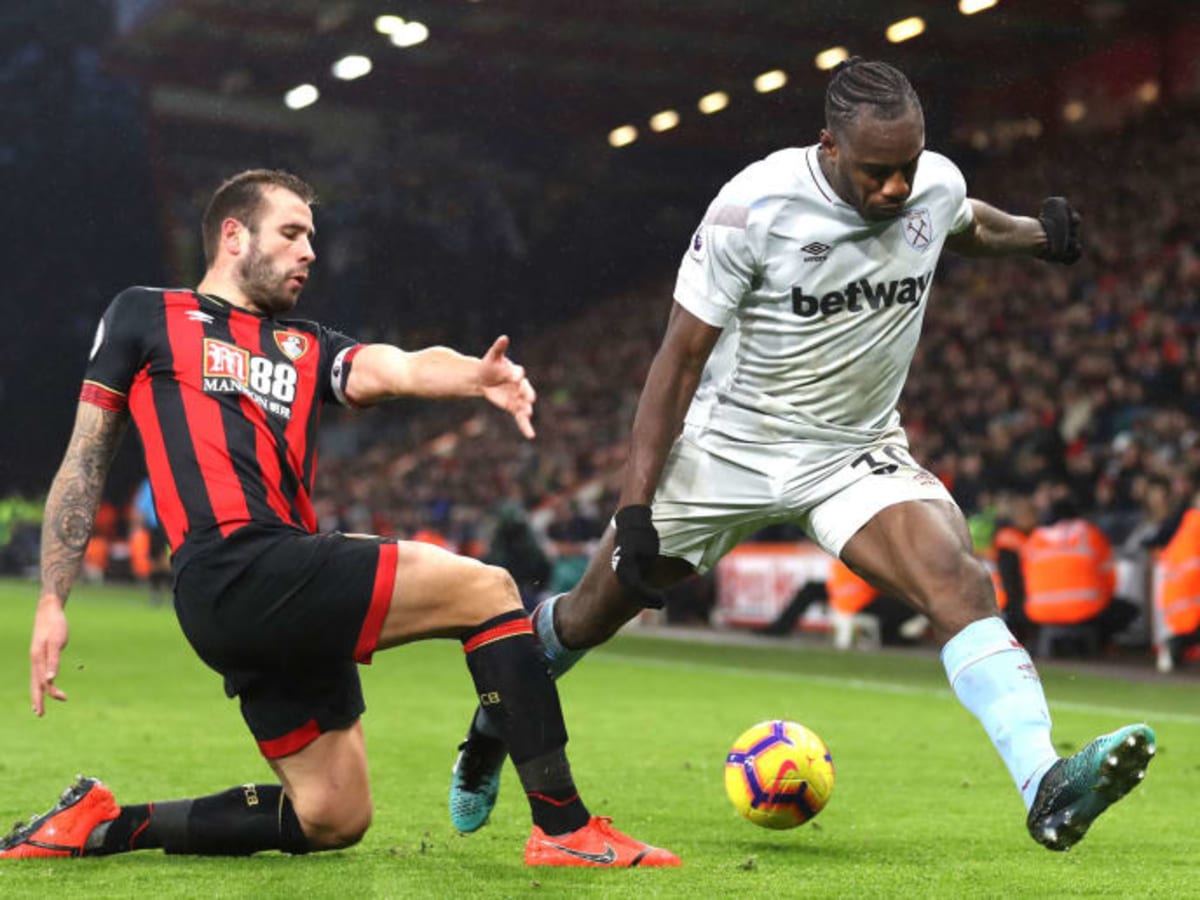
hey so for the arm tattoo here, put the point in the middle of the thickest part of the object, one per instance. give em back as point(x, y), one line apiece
point(75, 495)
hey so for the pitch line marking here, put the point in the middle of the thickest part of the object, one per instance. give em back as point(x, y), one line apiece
point(883, 687)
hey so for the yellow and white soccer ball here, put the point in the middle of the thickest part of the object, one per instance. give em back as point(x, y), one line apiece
point(778, 774)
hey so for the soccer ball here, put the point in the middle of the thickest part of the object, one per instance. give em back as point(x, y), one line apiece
point(778, 774)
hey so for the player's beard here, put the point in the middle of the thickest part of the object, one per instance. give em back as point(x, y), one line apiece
point(871, 212)
point(266, 287)
point(881, 214)
point(849, 192)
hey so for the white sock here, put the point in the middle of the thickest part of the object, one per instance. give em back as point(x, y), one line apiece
point(995, 679)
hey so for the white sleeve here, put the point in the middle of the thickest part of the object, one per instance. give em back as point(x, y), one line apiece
point(963, 214)
point(718, 267)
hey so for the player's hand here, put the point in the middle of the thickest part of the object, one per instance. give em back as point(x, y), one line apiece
point(634, 551)
point(505, 385)
point(49, 638)
point(1061, 224)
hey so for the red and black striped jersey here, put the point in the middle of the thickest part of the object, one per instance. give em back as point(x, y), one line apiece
point(226, 403)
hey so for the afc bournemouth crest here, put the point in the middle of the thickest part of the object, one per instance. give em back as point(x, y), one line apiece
point(294, 344)
point(918, 228)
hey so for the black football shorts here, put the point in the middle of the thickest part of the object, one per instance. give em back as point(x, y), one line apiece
point(286, 618)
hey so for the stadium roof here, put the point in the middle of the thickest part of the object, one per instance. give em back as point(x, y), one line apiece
point(561, 70)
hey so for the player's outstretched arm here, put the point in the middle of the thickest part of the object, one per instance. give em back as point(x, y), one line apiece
point(382, 372)
point(670, 386)
point(1052, 236)
point(66, 527)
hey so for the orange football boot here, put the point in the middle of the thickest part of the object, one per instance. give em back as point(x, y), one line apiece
point(65, 828)
point(596, 844)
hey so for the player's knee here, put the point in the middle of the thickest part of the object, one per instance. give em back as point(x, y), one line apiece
point(961, 591)
point(494, 592)
point(329, 827)
point(977, 585)
point(955, 570)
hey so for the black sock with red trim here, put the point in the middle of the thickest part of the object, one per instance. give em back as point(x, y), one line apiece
point(519, 695)
point(236, 822)
point(553, 797)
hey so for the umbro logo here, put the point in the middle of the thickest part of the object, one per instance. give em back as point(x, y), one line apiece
point(197, 315)
point(816, 251)
point(607, 858)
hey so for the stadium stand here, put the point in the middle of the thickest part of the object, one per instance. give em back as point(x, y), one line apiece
point(1084, 373)
point(1026, 374)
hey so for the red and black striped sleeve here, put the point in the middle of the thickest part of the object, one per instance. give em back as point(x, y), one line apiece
point(118, 350)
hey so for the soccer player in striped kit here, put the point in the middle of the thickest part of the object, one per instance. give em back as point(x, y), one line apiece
point(225, 390)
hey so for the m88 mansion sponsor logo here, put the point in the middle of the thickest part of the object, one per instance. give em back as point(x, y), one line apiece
point(229, 369)
point(860, 296)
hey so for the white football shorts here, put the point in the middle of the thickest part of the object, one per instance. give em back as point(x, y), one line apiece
point(716, 491)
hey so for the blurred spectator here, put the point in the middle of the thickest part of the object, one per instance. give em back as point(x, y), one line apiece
point(20, 530)
point(1178, 595)
point(571, 536)
point(149, 552)
point(691, 601)
point(430, 535)
point(98, 554)
point(1019, 517)
point(515, 547)
point(849, 596)
point(1069, 579)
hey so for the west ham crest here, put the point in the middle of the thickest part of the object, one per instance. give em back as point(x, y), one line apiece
point(917, 225)
point(293, 344)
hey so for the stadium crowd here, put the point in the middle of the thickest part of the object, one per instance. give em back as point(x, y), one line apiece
point(1026, 373)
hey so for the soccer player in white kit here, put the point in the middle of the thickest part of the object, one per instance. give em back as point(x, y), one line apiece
point(772, 398)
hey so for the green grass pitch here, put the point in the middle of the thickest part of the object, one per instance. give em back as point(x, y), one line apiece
point(922, 807)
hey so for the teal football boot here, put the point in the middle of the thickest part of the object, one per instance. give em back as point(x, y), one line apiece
point(475, 782)
point(1077, 789)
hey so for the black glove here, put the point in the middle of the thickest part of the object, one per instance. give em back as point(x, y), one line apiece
point(1061, 224)
point(634, 552)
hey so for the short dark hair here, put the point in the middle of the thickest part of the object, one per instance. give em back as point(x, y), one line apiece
point(1062, 509)
point(857, 82)
point(240, 197)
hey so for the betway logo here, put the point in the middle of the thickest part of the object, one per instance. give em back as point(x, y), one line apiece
point(861, 295)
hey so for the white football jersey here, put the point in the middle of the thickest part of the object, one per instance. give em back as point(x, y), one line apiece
point(821, 309)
